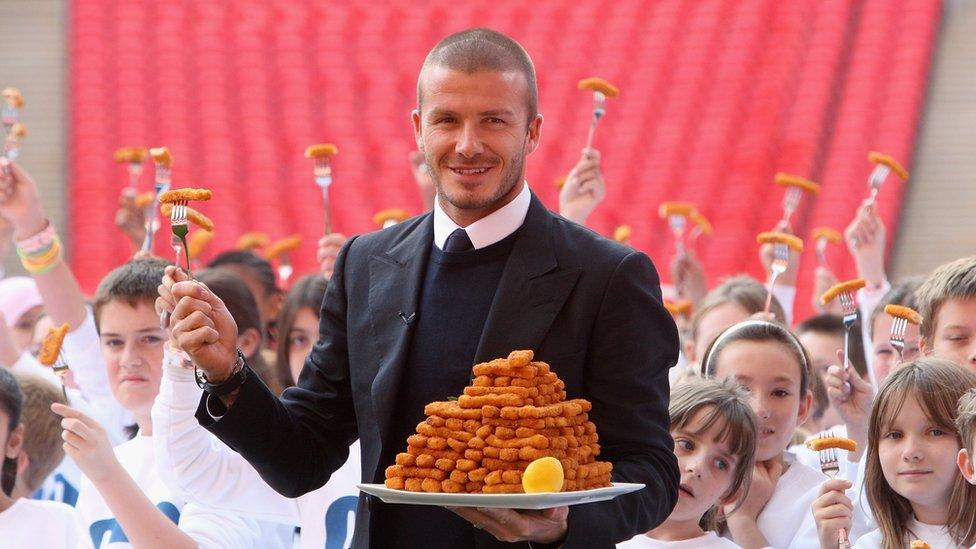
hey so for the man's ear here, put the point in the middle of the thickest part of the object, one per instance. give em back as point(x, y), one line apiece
point(923, 347)
point(418, 135)
point(535, 132)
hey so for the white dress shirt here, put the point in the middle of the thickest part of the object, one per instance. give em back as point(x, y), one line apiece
point(488, 230)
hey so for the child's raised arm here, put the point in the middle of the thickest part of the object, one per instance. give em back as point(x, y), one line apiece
point(40, 248)
point(87, 444)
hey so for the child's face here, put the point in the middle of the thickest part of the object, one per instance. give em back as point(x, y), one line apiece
point(772, 375)
point(822, 349)
point(885, 356)
point(132, 343)
point(706, 465)
point(918, 458)
point(23, 330)
point(713, 323)
point(955, 332)
point(303, 334)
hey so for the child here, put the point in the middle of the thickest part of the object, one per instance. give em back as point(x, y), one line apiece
point(26, 522)
point(734, 300)
point(122, 500)
point(947, 303)
point(823, 336)
point(714, 433)
point(42, 452)
point(298, 326)
point(885, 357)
point(966, 425)
point(259, 276)
point(194, 462)
point(769, 361)
point(242, 306)
point(912, 480)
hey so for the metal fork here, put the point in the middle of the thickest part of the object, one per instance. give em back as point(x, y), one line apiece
point(899, 327)
point(178, 223)
point(60, 368)
point(323, 178)
point(877, 179)
point(285, 270)
point(849, 308)
point(677, 224)
point(781, 262)
point(822, 251)
point(10, 115)
point(791, 200)
point(599, 109)
point(161, 185)
point(830, 466)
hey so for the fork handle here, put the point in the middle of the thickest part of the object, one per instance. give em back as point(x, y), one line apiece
point(842, 541)
point(847, 348)
point(769, 293)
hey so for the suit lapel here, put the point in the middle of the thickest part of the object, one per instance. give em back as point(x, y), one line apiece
point(531, 292)
point(395, 277)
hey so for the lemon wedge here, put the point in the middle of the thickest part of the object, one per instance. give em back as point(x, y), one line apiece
point(543, 475)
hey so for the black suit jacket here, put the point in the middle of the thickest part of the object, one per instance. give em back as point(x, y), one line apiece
point(589, 307)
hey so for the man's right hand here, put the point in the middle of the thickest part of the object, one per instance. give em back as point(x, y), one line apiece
point(199, 323)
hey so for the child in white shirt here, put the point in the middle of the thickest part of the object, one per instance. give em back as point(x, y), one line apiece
point(122, 501)
point(24, 522)
point(912, 482)
point(769, 361)
point(714, 433)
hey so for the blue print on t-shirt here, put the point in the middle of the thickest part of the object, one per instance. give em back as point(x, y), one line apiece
point(110, 527)
point(336, 521)
point(62, 491)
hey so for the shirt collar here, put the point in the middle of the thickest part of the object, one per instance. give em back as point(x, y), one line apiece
point(488, 230)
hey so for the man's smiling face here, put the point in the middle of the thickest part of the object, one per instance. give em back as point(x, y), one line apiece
point(475, 133)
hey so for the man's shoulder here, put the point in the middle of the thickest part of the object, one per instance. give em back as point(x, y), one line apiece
point(577, 243)
point(364, 245)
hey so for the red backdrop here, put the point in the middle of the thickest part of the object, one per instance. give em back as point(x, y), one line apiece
point(716, 96)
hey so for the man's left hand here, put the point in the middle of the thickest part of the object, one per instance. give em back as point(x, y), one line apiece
point(509, 525)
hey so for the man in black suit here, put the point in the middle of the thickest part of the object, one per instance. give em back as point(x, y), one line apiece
point(411, 308)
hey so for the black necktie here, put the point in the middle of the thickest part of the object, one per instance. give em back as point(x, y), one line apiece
point(458, 241)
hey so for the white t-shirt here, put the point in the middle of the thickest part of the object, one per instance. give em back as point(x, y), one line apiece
point(197, 464)
point(47, 524)
point(207, 526)
point(934, 534)
point(709, 541)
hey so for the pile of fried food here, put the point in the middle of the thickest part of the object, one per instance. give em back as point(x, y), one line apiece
point(514, 412)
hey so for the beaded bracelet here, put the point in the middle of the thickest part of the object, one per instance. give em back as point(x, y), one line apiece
point(39, 242)
point(44, 260)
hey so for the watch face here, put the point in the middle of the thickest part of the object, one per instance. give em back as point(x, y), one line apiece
point(200, 376)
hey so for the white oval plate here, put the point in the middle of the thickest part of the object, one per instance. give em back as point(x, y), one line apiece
point(507, 501)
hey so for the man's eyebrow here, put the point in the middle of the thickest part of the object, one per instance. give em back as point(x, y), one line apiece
point(497, 112)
